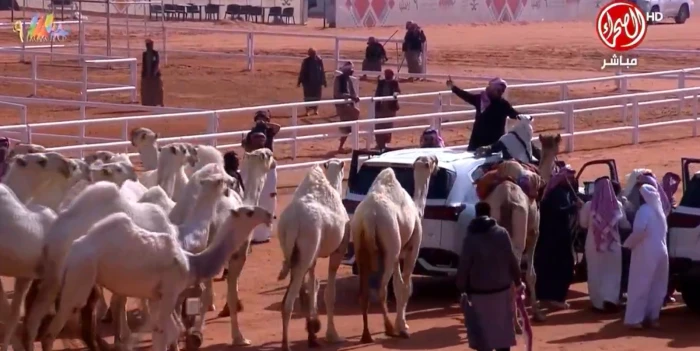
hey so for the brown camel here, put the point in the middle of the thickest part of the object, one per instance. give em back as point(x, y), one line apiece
point(518, 212)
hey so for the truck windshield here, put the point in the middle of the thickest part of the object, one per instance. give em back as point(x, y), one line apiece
point(439, 187)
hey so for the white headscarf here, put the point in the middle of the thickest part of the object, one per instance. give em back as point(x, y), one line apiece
point(652, 198)
point(632, 180)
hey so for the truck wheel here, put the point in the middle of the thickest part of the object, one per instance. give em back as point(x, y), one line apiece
point(691, 295)
point(683, 14)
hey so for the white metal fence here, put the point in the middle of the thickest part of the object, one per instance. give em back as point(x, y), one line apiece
point(564, 110)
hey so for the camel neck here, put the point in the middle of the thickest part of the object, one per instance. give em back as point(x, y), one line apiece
point(420, 194)
point(254, 182)
point(149, 157)
point(17, 182)
point(52, 193)
point(546, 165)
point(336, 182)
point(208, 263)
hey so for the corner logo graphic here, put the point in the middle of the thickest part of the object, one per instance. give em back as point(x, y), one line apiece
point(621, 26)
point(41, 28)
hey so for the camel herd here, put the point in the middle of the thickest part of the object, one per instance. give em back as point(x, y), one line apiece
point(183, 218)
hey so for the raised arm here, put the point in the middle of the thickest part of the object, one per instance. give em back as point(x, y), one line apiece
point(472, 99)
point(274, 128)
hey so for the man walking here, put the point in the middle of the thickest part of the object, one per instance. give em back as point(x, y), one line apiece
point(313, 78)
point(151, 83)
point(375, 56)
point(413, 48)
point(487, 271)
point(347, 111)
point(385, 109)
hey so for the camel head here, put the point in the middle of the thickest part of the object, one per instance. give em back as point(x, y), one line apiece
point(82, 170)
point(262, 158)
point(104, 156)
point(214, 184)
point(24, 149)
point(550, 144)
point(256, 165)
point(192, 154)
point(631, 189)
point(115, 172)
point(334, 173)
point(176, 155)
point(143, 137)
point(425, 166)
point(49, 164)
point(121, 158)
point(246, 218)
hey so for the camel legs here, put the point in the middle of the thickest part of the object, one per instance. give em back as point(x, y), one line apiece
point(235, 267)
point(391, 262)
point(47, 291)
point(21, 288)
point(334, 262)
point(531, 278)
point(208, 296)
point(75, 292)
point(117, 307)
point(402, 279)
point(165, 331)
point(310, 299)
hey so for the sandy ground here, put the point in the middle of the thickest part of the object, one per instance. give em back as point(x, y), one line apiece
point(551, 51)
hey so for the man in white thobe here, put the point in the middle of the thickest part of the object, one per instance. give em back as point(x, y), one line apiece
point(603, 216)
point(648, 280)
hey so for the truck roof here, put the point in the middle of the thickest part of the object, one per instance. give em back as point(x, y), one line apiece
point(446, 158)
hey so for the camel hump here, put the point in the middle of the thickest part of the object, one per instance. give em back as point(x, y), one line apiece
point(488, 183)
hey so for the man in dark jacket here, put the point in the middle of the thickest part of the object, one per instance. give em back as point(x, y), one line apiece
point(386, 109)
point(487, 271)
point(262, 134)
point(413, 47)
point(313, 78)
point(375, 56)
point(491, 112)
point(151, 83)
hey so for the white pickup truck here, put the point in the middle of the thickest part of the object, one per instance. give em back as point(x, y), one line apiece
point(450, 200)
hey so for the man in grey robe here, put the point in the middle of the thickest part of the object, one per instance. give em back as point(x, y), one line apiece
point(313, 78)
point(487, 271)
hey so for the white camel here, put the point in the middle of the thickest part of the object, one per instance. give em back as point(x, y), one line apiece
point(387, 226)
point(73, 223)
point(23, 231)
point(104, 156)
point(257, 164)
point(145, 141)
point(29, 174)
point(313, 225)
point(170, 174)
point(24, 149)
point(159, 269)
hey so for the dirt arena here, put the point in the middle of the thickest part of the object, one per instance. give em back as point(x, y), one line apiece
point(548, 51)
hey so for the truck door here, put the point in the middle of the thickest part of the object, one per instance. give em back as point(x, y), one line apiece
point(592, 170)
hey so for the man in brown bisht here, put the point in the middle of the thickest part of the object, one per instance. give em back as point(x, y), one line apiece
point(151, 84)
point(413, 48)
point(313, 78)
point(383, 109)
point(375, 56)
point(487, 271)
point(347, 111)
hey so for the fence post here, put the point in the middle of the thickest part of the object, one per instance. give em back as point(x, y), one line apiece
point(34, 74)
point(29, 133)
point(134, 79)
point(295, 122)
point(81, 42)
point(250, 51)
point(24, 39)
point(83, 93)
point(437, 122)
point(681, 85)
point(371, 114)
point(213, 127)
point(337, 53)
point(165, 46)
point(125, 135)
point(356, 136)
point(635, 120)
point(570, 126)
point(23, 119)
point(695, 114)
point(618, 72)
point(563, 96)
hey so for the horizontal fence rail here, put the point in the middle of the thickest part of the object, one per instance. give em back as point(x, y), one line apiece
point(564, 110)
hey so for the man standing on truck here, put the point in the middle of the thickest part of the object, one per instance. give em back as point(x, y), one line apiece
point(491, 112)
